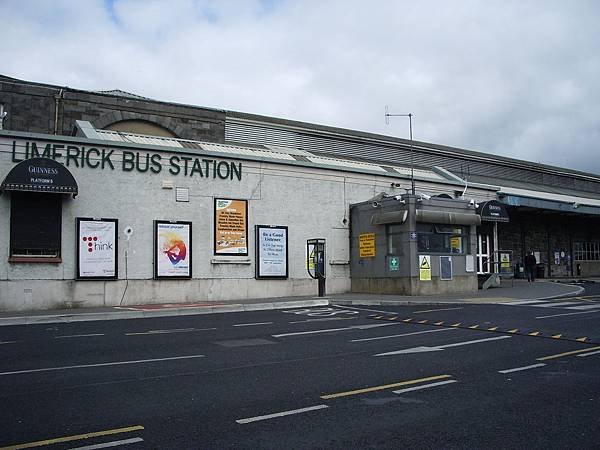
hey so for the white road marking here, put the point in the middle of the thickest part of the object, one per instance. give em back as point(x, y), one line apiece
point(402, 335)
point(594, 306)
point(518, 369)
point(328, 319)
point(7, 342)
point(332, 330)
point(436, 310)
point(589, 354)
point(552, 305)
point(109, 444)
point(78, 335)
point(118, 363)
point(438, 348)
point(281, 414)
point(523, 302)
point(567, 314)
point(424, 386)
point(252, 324)
point(176, 330)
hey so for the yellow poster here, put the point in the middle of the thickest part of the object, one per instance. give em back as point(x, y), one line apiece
point(231, 231)
point(505, 260)
point(424, 267)
point(366, 245)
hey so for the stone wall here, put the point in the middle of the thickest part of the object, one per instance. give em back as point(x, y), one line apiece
point(54, 110)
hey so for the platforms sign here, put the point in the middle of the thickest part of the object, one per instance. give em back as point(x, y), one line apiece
point(366, 245)
point(425, 267)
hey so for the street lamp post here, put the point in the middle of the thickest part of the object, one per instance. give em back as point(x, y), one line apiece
point(412, 171)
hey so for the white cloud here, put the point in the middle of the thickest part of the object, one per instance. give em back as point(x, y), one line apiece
point(515, 78)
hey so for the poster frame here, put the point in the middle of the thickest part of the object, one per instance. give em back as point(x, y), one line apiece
point(78, 237)
point(155, 245)
point(258, 256)
point(216, 199)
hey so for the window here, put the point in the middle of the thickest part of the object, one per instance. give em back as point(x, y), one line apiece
point(587, 251)
point(434, 238)
point(396, 236)
point(35, 226)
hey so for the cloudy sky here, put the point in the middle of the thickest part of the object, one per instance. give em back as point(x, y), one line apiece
point(515, 78)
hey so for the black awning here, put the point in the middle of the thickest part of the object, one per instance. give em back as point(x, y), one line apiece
point(493, 211)
point(40, 175)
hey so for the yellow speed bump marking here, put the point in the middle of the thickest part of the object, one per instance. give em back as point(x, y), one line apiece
point(456, 324)
point(473, 327)
point(581, 339)
point(492, 329)
point(423, 321)
point(574, 352)
point(76, 437)
point(407, 320)
point(534, 333)
point(513, 331)
point(383, 387)
point(557, 336)
point(439, 323)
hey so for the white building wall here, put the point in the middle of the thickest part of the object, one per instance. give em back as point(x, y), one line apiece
point(312, 202)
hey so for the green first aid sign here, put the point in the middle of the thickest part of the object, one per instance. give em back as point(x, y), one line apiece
point(394, 263)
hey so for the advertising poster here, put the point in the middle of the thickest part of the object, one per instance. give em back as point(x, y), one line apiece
point(173, 249)
point(231, 227)
point(271, 251)
point(97, 248)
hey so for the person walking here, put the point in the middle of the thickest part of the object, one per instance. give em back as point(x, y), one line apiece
point(530, 266)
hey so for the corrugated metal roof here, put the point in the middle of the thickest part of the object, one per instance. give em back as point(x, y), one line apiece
point(549, 196)
point(331, 142)
point(269, 152)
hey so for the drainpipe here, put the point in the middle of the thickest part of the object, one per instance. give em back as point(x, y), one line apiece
point(57, 99)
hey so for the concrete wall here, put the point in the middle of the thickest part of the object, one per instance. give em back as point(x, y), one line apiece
point(373, 274)
point(311, 202)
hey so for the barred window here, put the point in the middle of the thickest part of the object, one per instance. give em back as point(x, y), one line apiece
point(587, 251)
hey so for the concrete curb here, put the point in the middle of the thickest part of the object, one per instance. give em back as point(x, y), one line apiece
point(123, 315)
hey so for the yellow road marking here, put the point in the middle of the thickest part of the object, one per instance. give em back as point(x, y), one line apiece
point(422, 321)
point(557, 336)
point(472, 327)
point(534, 333)
point(492, 329)
point(455, 324)
point(406, 320)
point(581, 339)
point(73, 438)
point(380, 388)
point(439, 323)
point(574, 352)
point(513, 331)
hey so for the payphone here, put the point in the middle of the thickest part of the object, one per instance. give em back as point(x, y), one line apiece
point(315, 262)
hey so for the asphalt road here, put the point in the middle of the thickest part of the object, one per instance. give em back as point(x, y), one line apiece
point(486, 376)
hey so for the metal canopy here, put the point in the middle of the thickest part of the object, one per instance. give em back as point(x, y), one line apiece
point(40, 175)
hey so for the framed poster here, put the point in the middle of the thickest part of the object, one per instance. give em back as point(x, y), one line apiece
point(231, 227)
point(271, 251)
point(97, 249)
point(172, 249)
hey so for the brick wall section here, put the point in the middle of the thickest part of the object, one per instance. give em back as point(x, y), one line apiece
point(32, 108)
point(549, 233)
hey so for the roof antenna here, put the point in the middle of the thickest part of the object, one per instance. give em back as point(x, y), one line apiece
point(412, 169)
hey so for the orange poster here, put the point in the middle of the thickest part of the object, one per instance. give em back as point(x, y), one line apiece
point(231, 227)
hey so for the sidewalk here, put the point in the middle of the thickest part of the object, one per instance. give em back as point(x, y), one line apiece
point(510, 290)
